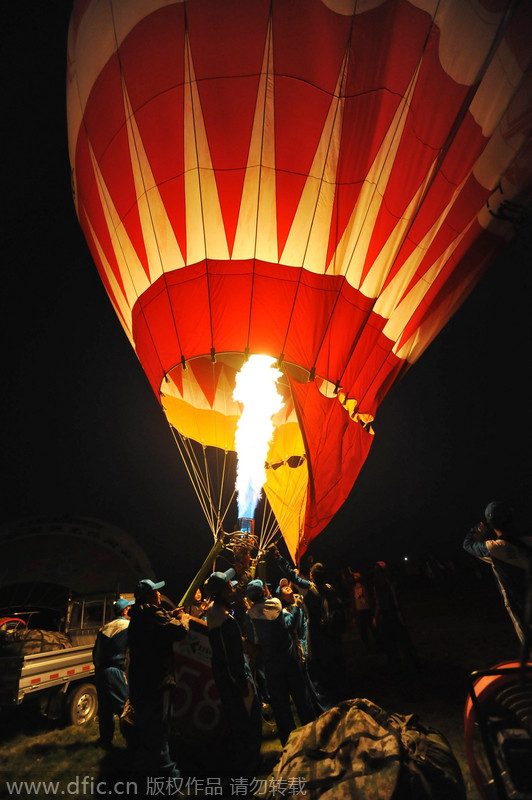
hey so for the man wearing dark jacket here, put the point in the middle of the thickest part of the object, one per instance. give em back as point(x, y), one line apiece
point(108, 655)
point(233, 678)
point(152, 632)
point(326, 663)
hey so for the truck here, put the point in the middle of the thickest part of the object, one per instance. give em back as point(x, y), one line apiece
point(58, 581)
point(63, 578)
point(51, 667)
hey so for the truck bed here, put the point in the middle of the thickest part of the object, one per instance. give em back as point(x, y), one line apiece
point(22, 675)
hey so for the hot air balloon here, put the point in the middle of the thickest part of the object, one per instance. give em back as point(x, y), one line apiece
point(319, 181)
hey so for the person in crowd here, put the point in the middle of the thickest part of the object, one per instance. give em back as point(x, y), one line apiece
point(243, 574)
point(326, 623)
point(233, 678)
point(437, 574)
point(296, 615)
point(292, 603)
point(197, 609)
point(151, 634)
point(362, 609)
point(497, 541)
point(390, 628)
point(108, 655)
point(267, 626)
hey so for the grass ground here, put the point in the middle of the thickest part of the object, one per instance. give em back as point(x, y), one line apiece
point(454, 633)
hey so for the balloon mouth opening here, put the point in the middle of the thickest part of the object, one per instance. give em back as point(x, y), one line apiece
point(233, 361)
point(197, 398)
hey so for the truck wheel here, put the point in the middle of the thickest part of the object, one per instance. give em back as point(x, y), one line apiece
point(81, 704)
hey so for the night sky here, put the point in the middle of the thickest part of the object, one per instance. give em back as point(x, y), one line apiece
point(84, 434)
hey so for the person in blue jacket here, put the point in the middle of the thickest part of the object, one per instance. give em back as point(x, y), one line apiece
point(108, 655)
point(497, 542)
point(268, 627)
point(233, 678)
point(296, 616)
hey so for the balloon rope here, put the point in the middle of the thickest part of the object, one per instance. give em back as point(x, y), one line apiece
point(233, 493)
point(269, 529)
point(202, 482)
point(208, 488)
point(192, 468)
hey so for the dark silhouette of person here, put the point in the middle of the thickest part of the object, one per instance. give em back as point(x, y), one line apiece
point(243, 574)
point(233, 678)
point(497, 542)
point(327, 663)
point(362, 608)
point(390, 627)
point(151, 635)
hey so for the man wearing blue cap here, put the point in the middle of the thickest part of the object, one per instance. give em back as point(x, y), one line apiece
point(152, 632)
point(108, 656)
point(497, 542)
